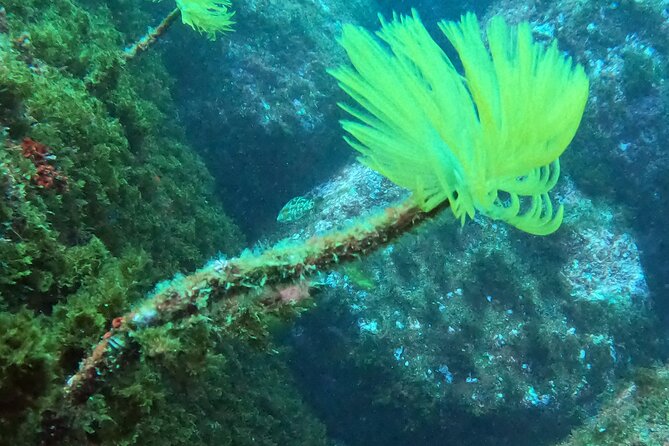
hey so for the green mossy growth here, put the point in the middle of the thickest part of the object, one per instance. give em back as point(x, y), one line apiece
point(137, 206)
point(636, 414)
point(639, 73)
point(25, 368)
point(131, 179)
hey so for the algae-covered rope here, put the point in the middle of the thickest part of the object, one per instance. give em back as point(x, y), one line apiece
point(283, 264)
point(151, 36)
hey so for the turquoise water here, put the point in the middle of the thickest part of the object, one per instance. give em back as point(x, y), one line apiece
point(192, 253)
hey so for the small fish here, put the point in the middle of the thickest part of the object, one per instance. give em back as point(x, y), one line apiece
point(295, 209)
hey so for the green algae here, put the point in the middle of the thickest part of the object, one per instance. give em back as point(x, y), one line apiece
point(139, 205)
point(637, 413)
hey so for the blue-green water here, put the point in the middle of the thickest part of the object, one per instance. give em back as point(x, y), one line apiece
point(195, 250)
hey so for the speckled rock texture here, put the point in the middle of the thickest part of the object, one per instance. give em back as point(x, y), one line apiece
point(621, 147)
point(268, 128)
point(453, 328)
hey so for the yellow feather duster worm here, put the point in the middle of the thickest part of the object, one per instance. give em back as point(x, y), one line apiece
point(488, 140)
point(207, 16)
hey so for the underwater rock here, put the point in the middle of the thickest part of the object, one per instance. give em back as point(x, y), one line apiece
point(273, 107)
point(622, 140)
point(606, 266)
point(636, 414)
point(482, 322)
point(354, 191)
